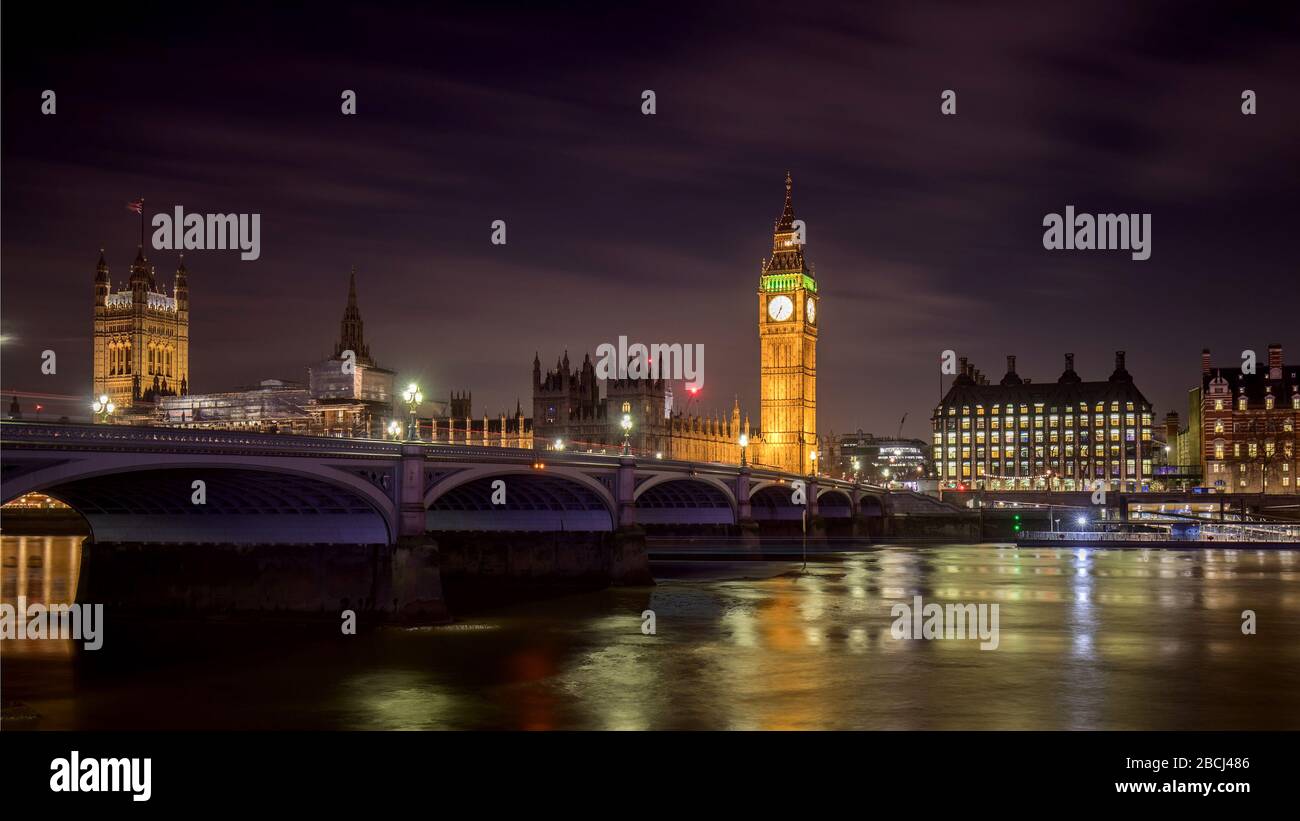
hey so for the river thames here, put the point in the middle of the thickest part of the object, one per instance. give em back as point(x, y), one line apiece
point(1088, 639)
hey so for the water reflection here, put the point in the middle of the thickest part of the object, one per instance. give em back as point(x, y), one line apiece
point(1089, 639)
point(41, 570)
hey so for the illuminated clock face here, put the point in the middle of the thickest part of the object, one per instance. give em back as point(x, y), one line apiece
point(812, 311)
point(780, 308)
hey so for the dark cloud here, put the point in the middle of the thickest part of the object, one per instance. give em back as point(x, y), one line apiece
point(925, 230)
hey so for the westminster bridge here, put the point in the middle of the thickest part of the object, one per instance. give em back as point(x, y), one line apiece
point(382, 522)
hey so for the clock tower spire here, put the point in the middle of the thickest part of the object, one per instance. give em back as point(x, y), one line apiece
point(787, 333)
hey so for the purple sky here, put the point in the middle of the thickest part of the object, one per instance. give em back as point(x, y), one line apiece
point(926, 231)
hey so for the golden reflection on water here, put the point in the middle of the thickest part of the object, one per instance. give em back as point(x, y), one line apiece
point(41, 570)
point(1088, 638)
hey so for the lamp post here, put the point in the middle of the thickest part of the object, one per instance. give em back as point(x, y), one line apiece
point(413, 399)
point(103, 408)
point(395, 430)
point(744, 445)
point(812, 462)
point(559, 444)
point(856, 466)
point(626, 424)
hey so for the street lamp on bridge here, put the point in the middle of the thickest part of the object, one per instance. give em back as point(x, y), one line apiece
point(103, 407)
point(626, 424)
point(395, 429)
point(744, 445)
point(413, 399)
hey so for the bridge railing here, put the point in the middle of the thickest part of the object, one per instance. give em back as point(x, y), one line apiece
point(119, 436)
point(68, 436)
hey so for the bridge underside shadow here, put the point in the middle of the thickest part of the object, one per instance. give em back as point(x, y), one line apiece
point(247, 539)
point(684, 502)
point(237, 507)
point(533, 503)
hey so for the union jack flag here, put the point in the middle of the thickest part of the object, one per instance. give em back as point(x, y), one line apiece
point(136, 207)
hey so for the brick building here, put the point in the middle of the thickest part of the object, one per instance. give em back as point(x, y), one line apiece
point(1248, 425)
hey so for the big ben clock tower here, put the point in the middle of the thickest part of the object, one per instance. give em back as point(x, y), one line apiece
point(788, 317)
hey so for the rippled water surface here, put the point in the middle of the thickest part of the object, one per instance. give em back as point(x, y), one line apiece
point(1087, 639)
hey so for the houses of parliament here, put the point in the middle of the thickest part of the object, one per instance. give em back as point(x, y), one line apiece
point(141, 361)
point(569, 410)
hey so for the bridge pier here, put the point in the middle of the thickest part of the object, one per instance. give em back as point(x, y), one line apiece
point(415, 581)
point(815, 528)
point(626, 483)
point(746, 526)
point(629, 563)
point(411, 515)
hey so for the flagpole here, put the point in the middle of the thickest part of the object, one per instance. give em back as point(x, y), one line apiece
point(142, 225)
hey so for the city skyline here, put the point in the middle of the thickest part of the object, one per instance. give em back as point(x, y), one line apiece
point(569, 369)
point(926, 230)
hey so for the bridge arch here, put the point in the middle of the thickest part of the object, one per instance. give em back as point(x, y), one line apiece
point(674, 499)
point(149, 498)
point(871, 504)
point(834, 503)
point(550, 499)
point(773, 501)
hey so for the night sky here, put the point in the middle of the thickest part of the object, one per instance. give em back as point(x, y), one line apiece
point(925, 230)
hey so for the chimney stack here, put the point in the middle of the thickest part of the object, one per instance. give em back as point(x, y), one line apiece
point(1012, 378)
point(1205, 361)
point(1171, 427)
point(1120, 374)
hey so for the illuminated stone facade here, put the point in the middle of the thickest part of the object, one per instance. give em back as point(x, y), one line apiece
point(141, 336)
point(787, 332)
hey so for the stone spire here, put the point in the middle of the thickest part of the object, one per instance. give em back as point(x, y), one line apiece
point(102, 285)
point(786, 222)
point(181, 286)
point(787, 250)
point(140, 276)
point(351, 334)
